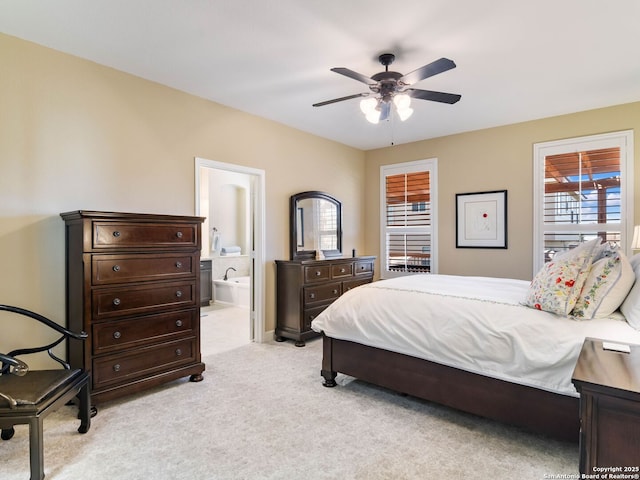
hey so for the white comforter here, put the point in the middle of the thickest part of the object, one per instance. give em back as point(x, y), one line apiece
point(472, 323)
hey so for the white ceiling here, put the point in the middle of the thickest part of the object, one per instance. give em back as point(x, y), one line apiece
point(516, 60)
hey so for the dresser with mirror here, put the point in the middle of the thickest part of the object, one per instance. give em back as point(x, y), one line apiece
point(317, 272)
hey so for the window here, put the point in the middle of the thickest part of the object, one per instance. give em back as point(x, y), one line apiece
point(408, 218)
point(583, 189)
point(326, 224)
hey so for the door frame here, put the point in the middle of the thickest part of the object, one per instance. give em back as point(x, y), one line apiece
point(257, 255)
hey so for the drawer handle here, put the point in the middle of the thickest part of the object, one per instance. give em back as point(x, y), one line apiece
point(178, 352)
point(179, 293)
point(116, 367)
point(179, 234)
point(342, 270)
point(318, 273)
point(335, 291)
point(116, 268)
point(117, 334)
point(116, 301)
point(178, 323)
point(361, 267)
point(178, 264)
point(312, 296)
point(116, 233)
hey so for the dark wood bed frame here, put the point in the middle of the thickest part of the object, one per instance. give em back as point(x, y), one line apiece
point(540, 411)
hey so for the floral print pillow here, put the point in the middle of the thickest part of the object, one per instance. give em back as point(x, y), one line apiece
point(605, 288)
point(557, 286)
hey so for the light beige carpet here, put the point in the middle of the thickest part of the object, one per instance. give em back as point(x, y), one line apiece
point(223, 328)
point(262, 413)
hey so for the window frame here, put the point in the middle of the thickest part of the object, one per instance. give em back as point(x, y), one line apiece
point(430, 165)
point(621, 139)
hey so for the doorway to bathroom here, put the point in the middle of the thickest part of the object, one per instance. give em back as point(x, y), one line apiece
point(231, 198)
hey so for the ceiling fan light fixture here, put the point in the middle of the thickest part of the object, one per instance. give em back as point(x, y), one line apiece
point(404, 113)
point(373, 116)
point(368, 105)
point(402, 101)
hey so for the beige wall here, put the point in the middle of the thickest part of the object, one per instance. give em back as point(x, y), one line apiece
point(492, 159)
point(77, 135)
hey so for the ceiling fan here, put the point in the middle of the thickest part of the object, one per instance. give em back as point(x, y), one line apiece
point(394, 87)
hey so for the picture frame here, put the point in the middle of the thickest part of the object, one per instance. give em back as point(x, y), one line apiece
point(481, 219)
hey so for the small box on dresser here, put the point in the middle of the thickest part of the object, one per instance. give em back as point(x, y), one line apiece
point(133, 284)
point(306, 287)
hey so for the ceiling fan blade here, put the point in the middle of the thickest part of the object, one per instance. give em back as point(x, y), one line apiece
point(433, 96)
point(341, 99)
point(355, 75)
point(427, 71)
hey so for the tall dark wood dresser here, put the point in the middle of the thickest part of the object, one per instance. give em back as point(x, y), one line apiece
point(133, 283)
point(306, 287)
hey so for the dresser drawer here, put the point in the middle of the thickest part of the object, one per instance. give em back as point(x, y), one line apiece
point(351, 284)
point(141, 362)
point(134, 332)
point(322, 293)
point(108, 269)
point(364, 268)
point(310, 314)
point(316, 273)
point(342, 270)
point(144, 235)
point(113, 302)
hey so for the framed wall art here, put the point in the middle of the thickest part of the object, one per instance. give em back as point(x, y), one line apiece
point(481, 219)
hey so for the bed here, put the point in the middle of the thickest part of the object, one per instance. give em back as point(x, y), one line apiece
point(465, 342)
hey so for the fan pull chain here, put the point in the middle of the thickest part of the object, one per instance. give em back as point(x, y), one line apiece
point(392, 123)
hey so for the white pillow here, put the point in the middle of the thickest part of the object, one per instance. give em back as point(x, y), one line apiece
point(630, 308)
point(557, 286)
point(635, 261)
point(605, 288)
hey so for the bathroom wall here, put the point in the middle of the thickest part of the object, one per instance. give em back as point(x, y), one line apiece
point(229, 203)
point(242, 265)
point(227, 198)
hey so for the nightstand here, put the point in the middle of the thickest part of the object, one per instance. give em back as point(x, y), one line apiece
point(609, 386)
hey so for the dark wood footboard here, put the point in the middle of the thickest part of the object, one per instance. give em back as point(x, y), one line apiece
point(537, 410)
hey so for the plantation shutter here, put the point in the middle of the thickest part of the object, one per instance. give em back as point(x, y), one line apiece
point(583, 189)
point(408, 217)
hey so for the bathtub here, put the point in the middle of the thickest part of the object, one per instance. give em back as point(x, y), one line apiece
point(234, 291)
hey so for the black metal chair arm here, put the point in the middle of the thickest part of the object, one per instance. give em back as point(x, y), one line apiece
point(58, 328)
point(16, 366)
point(64, 334)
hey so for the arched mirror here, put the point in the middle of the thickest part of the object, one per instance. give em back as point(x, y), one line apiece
point(316, 224)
